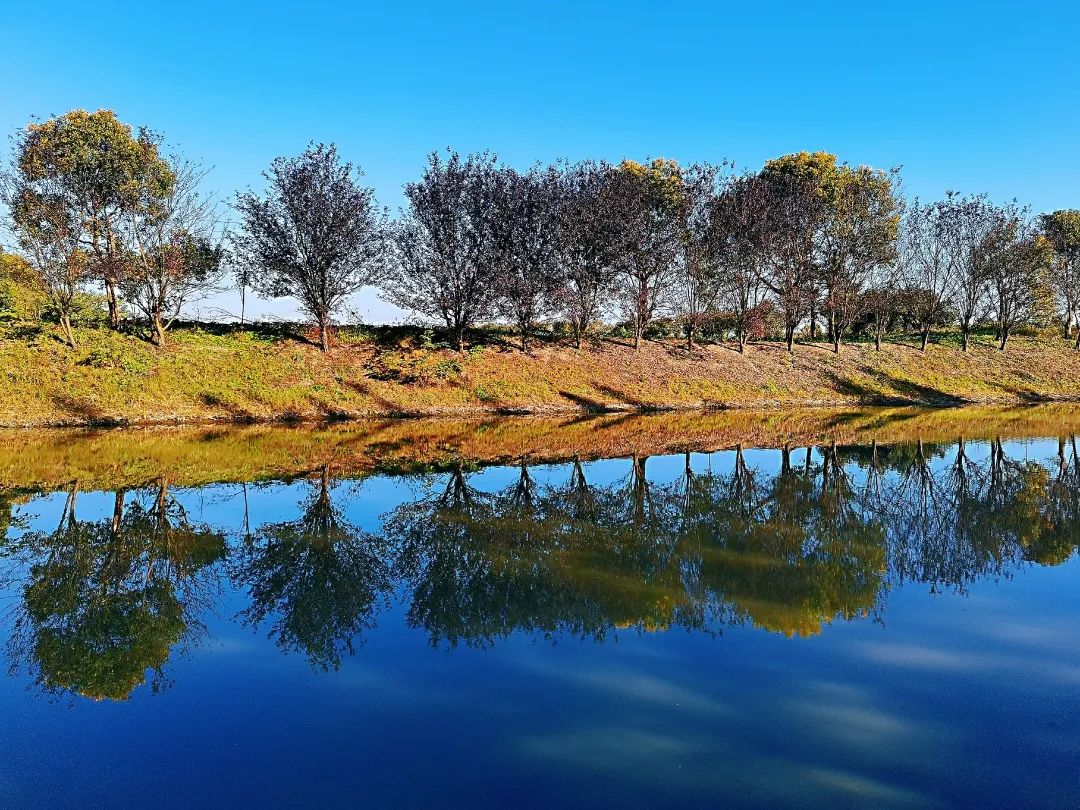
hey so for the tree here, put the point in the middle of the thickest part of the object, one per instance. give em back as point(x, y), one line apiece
point(50, 240)
point(586, 224)
point(804, 189)
point(882, 300)
point(1016, 261)
point(699, 263)
point(858, 241)
point(796, 213)
point(446, 254)
point(244, 277)
point(1062, 229)
point(99, 172)
point(968, 223)
point(652, 203)
point(846, 227)
point(527, 240)
point(315, 234)
point(738, 242)
point(928, 264)
point(175, 253)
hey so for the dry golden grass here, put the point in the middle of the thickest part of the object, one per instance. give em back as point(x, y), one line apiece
point(261, 374)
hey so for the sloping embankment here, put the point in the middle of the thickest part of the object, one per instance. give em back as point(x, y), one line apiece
point(245, 375)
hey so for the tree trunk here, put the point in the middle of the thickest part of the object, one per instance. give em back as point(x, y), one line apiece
point(324, 335)
point(836, 342)
point(637, 338)
point(813, 321)
point(925, 338)
point(877, 341)
point(69, 334)
point(1077, 345)
point(114, 303)
point(460, 339)
point(790, 339)
point(1004, 339)
point(243, 303)
point(964, 339)
point(689, 338)
point(159, 330)
point(742, 342)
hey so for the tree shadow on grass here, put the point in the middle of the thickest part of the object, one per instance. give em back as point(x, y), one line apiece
point(593, 405)
point(620, 397)
point(84, 411)
point(235, 412)
point(365, 390)
point(905, 392)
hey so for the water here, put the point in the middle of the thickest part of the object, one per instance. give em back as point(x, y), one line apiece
point(532, 613)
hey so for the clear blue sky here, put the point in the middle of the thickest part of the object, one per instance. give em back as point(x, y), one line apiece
point(967, 96)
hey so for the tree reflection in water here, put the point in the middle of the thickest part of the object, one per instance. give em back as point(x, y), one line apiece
point(315, 580)
point(104, 602)
point(815, 536)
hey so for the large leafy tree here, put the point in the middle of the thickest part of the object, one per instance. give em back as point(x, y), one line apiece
point(847, 223)
point(802, 187)
point(859, 242)
point(315, 234)
point(97, 172)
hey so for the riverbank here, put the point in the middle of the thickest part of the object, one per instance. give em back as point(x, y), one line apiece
point(270, 373)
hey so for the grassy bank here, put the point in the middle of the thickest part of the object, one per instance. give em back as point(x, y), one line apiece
point(262, 373)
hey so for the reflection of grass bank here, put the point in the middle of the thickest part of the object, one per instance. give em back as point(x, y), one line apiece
point(192, 456)
point(270, 373)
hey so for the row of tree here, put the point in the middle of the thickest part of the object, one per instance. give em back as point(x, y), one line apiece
point(804, 242)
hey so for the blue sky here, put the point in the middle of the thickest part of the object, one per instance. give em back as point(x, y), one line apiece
point(966, 96)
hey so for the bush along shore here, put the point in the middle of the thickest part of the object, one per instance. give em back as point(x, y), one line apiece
point(610, 286)
point(257, 373)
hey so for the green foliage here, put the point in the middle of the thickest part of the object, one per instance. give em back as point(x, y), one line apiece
point(21, 293)
point(102, 163)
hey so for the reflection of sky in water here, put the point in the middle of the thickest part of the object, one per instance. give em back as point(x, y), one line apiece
point(941, 700)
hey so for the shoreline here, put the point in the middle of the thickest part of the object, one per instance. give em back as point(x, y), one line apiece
point(553, 410)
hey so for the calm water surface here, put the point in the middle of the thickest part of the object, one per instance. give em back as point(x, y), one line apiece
point(840, 624)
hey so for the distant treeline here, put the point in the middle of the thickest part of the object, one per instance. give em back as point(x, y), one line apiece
point(805, 245)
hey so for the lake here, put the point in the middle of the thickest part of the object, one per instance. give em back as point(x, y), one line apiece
point(830, 608)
